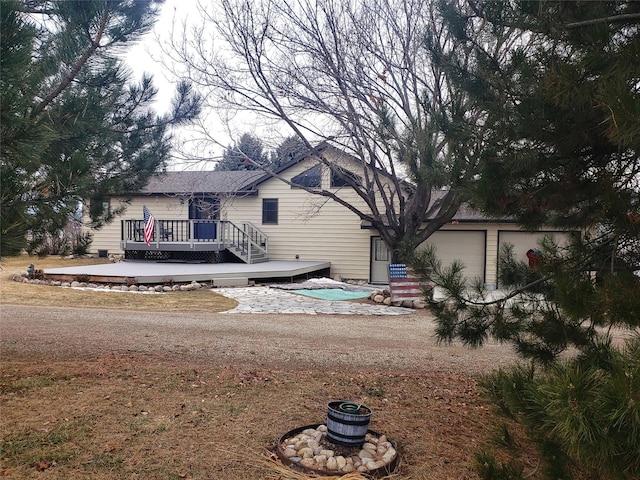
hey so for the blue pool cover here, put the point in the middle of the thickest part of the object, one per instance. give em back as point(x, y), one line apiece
point(332, 294)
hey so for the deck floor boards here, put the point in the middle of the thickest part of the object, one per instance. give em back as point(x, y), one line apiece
point(161, 272)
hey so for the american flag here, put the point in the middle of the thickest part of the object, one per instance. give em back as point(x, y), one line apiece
point(404, 283)
point(149, 225)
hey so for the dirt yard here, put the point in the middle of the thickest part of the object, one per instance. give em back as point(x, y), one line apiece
point(122, 394)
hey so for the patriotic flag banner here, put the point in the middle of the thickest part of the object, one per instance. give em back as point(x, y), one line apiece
point(149, 225)
point(404, 283)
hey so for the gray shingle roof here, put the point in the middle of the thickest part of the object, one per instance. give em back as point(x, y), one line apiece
point(217, 182)
point(244, 181)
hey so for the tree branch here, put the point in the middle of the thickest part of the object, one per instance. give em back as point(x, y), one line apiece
point(66, 81)
point(613, 19)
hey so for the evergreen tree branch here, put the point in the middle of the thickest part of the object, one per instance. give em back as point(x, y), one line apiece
point(612, 19)
point(81, 62)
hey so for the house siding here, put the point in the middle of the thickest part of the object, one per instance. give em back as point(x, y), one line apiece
point(309, 226)
point(162, 208)
point(312, 227)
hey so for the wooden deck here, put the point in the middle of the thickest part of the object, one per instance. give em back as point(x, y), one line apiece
point(220, 274)
point(197, 240)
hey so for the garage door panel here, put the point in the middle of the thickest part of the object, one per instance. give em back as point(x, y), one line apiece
point(524, 241)
point(466, 246)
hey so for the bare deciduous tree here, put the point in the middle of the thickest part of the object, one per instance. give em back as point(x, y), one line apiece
point(356, 75)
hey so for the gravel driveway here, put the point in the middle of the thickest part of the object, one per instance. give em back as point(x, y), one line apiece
point(291, 341)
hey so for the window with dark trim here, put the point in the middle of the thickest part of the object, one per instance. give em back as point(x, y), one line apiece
point(269, 210)
point(311, 178)
point(341, 177)
point(100, 209)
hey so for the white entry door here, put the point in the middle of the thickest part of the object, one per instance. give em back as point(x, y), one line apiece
point(379, 261)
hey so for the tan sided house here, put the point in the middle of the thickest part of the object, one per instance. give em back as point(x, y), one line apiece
point(252, 217)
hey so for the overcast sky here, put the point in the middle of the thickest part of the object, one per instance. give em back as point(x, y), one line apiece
point(145, 57)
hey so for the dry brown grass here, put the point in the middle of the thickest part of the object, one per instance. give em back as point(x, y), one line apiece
point(149, 417)
point(203, 300)
point(122, 417)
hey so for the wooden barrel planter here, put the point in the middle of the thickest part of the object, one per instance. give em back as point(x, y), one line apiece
point(347, 423)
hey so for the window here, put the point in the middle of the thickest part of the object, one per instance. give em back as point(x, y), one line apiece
point(100, 208)
point(380, 250)
point(309, 178)
point(338, 177)
point(269, 210)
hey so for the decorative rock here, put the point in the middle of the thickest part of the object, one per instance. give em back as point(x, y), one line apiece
point(75, 284)
point(311, 450)
point(389, 455)
point(308, 462)
point(133, 288)
point(366, 455)
point(320, 459)
point(305, 452)
point(419, 304)
point(378, 299)
point(369, 446)
point(348, 468)
point(290, 452)
point(387, 301)
point(143, 288)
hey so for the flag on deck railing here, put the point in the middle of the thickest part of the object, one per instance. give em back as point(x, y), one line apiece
point(404, 284)
point(149, 225)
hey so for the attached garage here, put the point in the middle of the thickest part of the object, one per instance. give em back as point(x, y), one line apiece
point(524, 241)
point(467, 246)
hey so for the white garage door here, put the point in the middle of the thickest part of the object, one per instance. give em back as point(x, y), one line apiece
point(465, 246)
point(523, 241)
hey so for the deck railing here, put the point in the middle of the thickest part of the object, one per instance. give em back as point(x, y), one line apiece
point(247, 242)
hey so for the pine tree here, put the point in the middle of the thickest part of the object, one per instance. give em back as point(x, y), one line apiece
point(73, 127)
point(289, 149)
point(243, 154)
point(558, 85)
